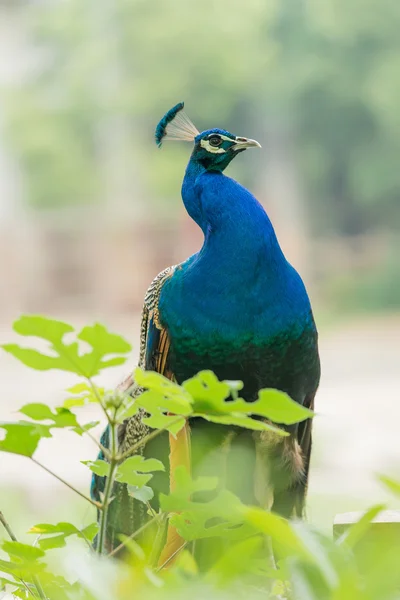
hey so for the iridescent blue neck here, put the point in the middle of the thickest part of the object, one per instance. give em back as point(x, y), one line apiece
point(237, 230)
point(193, 171)
point(240, 283)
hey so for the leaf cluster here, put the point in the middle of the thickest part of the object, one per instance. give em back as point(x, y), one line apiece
point(256, 553)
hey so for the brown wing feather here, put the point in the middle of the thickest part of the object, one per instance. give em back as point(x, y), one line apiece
point(155, 347)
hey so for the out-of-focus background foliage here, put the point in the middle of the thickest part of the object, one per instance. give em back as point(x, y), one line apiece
point(90, 209)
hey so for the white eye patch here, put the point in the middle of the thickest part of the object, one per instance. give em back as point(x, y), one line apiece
point(215, 149)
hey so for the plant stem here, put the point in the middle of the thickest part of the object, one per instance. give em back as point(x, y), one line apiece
point(98, 444)
point(71, 487)
point(99, 400)
point(104, 450)
point(35, 580)
point(28, 589)
point(109, 484)
point(171, 557)
point(6, 526)
point(135, 534)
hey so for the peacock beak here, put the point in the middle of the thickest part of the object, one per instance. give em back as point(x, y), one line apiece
point(242, 143)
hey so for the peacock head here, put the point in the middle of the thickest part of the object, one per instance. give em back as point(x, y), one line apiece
point(213, 149)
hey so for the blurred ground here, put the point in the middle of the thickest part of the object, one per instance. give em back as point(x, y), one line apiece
point(356, 430)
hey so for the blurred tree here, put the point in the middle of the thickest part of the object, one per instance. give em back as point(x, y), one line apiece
point(338, 63)
point(325, 73)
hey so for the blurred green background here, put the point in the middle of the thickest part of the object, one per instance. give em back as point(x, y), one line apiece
point(90, 209)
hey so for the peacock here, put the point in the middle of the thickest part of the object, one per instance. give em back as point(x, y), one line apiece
point(238, 308)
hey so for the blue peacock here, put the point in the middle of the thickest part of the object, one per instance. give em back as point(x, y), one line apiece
point(238, 308)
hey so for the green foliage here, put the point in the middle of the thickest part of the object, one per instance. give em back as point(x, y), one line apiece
point(67, 355)
point(142, 493)
point(99, 467)
point(194, 520)
point(204, 396)
point(323, 74)
point(86, 394)
point(135, 470)
point(55, 535)
point(303, 565)
point(210, 398)
point(391, 484)
point(22, 437)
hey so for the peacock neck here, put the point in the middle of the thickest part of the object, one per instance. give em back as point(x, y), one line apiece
point(238, 235)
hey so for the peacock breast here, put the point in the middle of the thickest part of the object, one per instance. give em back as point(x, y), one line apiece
point(263, 339)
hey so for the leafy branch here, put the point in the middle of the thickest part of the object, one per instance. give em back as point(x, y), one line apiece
point(35, 580)
point(165, 405)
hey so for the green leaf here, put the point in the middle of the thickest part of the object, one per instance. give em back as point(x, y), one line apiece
point(99, 467)
point(41, 412)
point(48, 528)
point(42, 362)
point(236, 561)
point(302, 587)
point(90, 531)
point(391, 484)
point(164, 401)
point(199, 525)
point(74, 402)
point(279, 529)
point(320, 549)
point(38, 412)
point(221, 517)
point(81, 429)
point(144, 494)
point(62, 417)
point(185, 486)
point(208, 392)
point(158, 383)
point(21, 568)
point(234, 385)
point(25, 552)
point(80, 388)
point(280, 408)
point(163, 394)
point(56, 534)
point(103, 343)
point(132, 469)
point(42, 327)
point(243, 421)
point(86, 396)
point(54, 541)
point(212, 400)
point(23, 437)
point(170, 423)
point(66, 356)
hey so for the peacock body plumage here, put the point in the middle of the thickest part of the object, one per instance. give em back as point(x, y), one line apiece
point(236, 307)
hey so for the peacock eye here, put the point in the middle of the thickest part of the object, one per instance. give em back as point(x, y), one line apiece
point(215, 140)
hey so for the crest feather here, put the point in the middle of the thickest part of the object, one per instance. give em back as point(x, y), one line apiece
point(175, 126)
